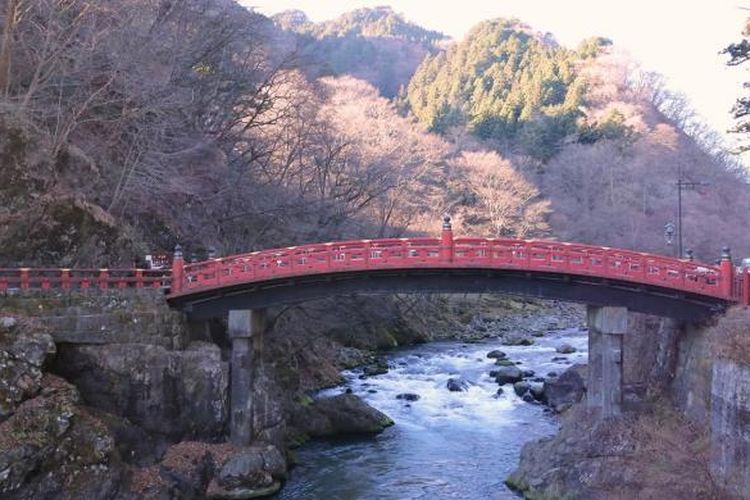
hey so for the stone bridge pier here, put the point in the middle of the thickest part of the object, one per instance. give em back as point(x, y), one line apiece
point(607, 326)
point(246, 329)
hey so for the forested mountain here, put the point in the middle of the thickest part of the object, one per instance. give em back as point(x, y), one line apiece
point(378, 22)
point(377, 45)
point(506, 84)
point(602, 140)
point(199, 122)
point(619, 187)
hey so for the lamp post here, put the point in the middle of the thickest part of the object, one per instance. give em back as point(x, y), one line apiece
point(669, 233)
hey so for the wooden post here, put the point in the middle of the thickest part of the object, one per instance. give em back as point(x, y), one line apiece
point(103, 277)
point(727, 273)
point(65, 279)
point(446, 241)
point(178, 271)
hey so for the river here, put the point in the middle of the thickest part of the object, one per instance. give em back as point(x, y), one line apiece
point(444, 445)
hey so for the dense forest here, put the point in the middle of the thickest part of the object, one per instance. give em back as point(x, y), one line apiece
point(130, 126)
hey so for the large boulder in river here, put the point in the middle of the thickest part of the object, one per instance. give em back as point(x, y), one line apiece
point(517, 338)
point(524, 388)
point(566, 349)
point(496, 354)
point(562, 392)
point(339, 415)
point(508, 375)
point(380, 367)
point(457, 385)
point(253, 472)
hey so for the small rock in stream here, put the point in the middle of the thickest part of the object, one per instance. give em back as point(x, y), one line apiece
point(457, 385)
point(566, 349)
point(497, 354)
point(407, 396)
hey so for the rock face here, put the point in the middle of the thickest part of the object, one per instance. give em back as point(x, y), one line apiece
point(21, 358)
point(345, 414)
point(562, 392)
point(652, 455)
point(730, 409)
point(192, 469)
point(173, 393)
point(52, 448)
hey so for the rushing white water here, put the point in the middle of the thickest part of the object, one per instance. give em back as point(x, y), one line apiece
point(444, 445)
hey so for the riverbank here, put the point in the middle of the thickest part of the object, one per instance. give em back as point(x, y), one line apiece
point(153, 394)
point(449, 440)
point(683, 433)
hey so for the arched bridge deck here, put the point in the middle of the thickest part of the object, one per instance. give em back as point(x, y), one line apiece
point(548, 269)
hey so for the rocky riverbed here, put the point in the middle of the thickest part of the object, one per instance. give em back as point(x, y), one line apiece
point(459, 427)
point(146, 417)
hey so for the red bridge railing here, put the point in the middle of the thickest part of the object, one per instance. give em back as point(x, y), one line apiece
point(82, 279)
point(719, 281)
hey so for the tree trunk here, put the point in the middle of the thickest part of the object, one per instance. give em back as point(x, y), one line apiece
point(5, 48)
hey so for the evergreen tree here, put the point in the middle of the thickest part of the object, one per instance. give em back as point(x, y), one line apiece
point(505, 84)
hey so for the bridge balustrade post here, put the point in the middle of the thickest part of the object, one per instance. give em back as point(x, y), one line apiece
point(446, 241)
point(246, 329)
point(103, 279)
point(727, 273)
point(607, 325)
point(65, 279)
point(178, 271)
point(25, 283)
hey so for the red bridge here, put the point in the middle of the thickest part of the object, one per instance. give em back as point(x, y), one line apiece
point(548, 269)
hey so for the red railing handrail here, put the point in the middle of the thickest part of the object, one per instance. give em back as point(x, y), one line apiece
point(717, 281)
point(721, 281)
point(82, 278)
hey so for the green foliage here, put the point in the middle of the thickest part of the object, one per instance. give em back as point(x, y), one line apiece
point(504, 83)
point(612, 127)
point(739, 53)
point(592, 47)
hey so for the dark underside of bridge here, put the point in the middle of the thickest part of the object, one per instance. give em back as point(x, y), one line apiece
point(583, 289)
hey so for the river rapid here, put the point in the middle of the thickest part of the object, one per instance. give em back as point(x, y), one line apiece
point(444, 445)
